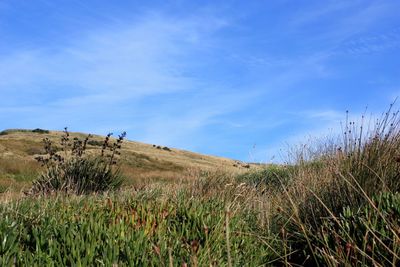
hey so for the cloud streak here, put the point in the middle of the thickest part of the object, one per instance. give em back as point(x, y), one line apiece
point(123, 73)
point(210, 81)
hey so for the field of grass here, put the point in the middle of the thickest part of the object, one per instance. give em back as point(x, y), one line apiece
point(336, 203)
point(141, 163)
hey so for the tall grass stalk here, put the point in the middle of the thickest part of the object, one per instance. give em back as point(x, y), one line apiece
point(345, 176)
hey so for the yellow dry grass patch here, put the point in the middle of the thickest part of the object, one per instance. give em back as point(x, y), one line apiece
point(140, 163)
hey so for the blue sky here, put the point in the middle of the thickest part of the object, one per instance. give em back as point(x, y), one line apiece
point(240, 79)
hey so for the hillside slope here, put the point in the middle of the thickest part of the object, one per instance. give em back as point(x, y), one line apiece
point(140, 163)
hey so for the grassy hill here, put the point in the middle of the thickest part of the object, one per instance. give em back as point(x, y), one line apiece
point(336, 204)
point(140, 163)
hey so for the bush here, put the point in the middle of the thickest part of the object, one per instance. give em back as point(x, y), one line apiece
point(41, 131)
point(95, 143)
point(272, 178)
point(355, 169)
point(330, 207)
point(37, 130)
point(78, 176)
point(75, 172)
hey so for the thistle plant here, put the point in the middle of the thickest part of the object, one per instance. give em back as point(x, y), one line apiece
point(70, 169)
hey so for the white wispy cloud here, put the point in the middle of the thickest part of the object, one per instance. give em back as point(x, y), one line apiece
point(371, 43)
point(316, 12)
point(182, 121)
point(325, 115)
point(319, 127)
point(114, 72)
point(145, 55)
point(343, 22)
point(178, 80)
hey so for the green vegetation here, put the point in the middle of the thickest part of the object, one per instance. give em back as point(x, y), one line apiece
point(141, 229)
point(37, 130)
point(95, 143)
point(370, 228)
point(272, 178)
point(336, 204)
point(41, 131)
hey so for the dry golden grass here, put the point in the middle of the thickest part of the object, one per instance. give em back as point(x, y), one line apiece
point(140, 163)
